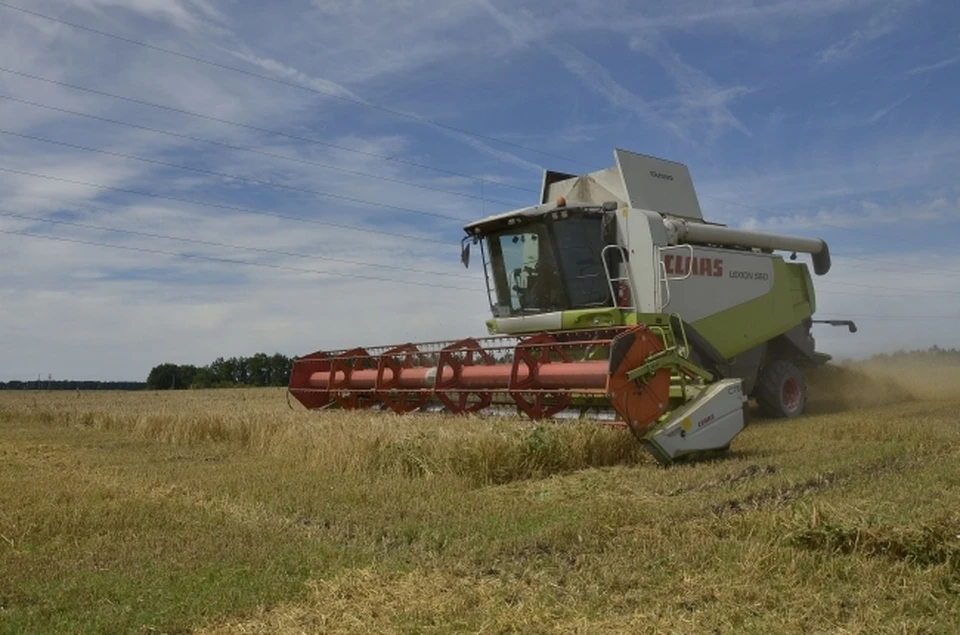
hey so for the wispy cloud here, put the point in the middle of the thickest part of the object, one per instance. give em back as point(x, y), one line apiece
point(880, 24)
point(186, 14)
point(699, 99)
point(598, 79)
point(929, 68)
point(862, 214)
point(883, 112)
point(294, 75)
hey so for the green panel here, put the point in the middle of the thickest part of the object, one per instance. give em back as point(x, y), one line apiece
point(790, 301)
point(580, 319)
point(592, 318)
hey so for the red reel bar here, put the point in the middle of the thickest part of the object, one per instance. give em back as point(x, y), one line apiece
point(396, 369)
point(451, 378)
point(532, 355)
point(341, 384)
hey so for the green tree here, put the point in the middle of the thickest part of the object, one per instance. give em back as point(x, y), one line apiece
point(171, 377)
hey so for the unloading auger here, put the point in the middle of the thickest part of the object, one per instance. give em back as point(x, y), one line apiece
point(614, 301)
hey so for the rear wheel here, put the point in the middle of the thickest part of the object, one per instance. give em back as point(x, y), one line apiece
point(781, 391)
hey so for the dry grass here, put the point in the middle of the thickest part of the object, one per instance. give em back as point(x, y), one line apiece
point(227, 512)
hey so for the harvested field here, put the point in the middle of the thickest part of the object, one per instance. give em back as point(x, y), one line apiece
point(228, 512)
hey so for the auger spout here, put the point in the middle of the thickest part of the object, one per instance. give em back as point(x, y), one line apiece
point(680, 231)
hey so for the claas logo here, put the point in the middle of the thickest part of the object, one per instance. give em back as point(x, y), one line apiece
point(682, 265)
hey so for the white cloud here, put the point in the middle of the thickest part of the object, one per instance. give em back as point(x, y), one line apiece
point(880, 24)
point(317, 83)
point(599, 80)
point(699, 97)
point(927, 68)
point(862, 214)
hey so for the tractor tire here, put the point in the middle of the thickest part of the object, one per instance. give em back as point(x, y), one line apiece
point(781, 391)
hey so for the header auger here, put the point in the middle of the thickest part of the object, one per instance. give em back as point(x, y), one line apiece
point(614, 301)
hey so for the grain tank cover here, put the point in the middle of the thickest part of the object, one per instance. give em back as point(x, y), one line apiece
point(637, 180)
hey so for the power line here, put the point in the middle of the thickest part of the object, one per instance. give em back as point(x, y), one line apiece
point(325, 194)
point(937, 271)
point(229, 260)
point(229, 246)
point(316, 271)
point(278, 133)
point(903, 317)
point(311, 89)
point(896, 267)
point(880, 288)
point(823, 224)
point(379, 279)
point(412, 270)
point(865, 286)
point(235, 208)
point(233, 176)
point(895, 296)
point(253, 150)
point(375, 265)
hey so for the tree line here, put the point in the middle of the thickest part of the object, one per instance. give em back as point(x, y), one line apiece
point(61, 384)
point(259, 370)
point(274, 370)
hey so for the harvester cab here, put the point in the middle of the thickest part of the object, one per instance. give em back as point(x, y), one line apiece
point(612, 293)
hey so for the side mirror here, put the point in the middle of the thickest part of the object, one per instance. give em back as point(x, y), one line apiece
point(465, 252)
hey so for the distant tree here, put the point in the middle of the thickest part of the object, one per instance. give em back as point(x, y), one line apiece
point(171, 377)
point(260, 369)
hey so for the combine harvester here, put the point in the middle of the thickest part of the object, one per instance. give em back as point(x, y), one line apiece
point(613, 294)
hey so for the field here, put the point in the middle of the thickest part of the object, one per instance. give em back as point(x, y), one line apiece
point(229, 512)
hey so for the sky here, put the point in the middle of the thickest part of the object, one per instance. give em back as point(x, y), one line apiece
point(184, 180)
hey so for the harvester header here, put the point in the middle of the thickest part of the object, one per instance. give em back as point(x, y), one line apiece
point(612, 298)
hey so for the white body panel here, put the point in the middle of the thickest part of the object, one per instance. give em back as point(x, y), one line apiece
point(643, 233)
point(713, 280)
point(528, 323)
point(658, 184)
point(601, 186)
point(709, 422)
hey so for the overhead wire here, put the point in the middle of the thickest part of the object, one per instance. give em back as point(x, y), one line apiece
point(392, 111)
point(899, 317)
point(268, 131)
point(273, 155)
point(235, 177)
point(885, 317)
point(229, 260)
point(209, 243)
point(235, 208)
point(859, 231)
point(884, 288)
point(256, 212)
point(335, 196)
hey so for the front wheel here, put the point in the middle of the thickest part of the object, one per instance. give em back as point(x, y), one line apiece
point(781, 392)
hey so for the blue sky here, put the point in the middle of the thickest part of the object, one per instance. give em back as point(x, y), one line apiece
point(829, 118)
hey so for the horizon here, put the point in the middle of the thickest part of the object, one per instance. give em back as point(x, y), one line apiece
point(151, 191)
